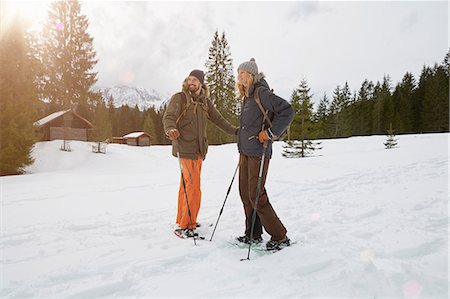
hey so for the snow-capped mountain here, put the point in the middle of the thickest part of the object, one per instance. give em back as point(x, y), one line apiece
point(132, 96)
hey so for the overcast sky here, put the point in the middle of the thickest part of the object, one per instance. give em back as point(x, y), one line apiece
point(156, 44)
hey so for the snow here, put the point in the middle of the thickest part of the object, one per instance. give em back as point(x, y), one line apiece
point(369, 222)
point(50, 117)
point(134, 135)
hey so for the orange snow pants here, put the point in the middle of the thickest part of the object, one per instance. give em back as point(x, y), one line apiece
point(191, 171)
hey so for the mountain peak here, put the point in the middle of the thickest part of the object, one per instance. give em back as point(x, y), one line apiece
point(132, 96)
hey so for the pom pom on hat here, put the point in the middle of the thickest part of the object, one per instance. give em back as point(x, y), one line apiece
point(249, 66)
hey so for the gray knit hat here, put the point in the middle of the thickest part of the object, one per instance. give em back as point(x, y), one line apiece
point(249, 66)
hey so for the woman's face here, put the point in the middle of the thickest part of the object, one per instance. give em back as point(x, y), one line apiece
point(243, 77)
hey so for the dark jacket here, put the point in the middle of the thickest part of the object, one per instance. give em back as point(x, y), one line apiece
point(251, 120)
point(192, 122)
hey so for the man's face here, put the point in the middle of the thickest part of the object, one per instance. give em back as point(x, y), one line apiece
point(193, 84)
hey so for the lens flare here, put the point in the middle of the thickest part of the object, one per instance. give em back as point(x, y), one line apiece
point(59, 26)
point(412, 289)
point(315, 217)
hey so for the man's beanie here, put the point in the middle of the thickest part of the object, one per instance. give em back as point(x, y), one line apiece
point(199, 75)
point(249, 66)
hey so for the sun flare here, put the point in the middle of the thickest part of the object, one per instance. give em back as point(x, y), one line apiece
point(32, 12)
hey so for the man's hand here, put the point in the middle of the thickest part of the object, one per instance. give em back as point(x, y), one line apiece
point(263, 136)
point(173, 134)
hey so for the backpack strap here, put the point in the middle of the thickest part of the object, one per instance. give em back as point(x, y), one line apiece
point(186, 106)
point(258, 101)
point(185, 96)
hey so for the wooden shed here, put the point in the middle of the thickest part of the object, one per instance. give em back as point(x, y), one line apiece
point(119, 140)
point(66, 124)
point(138, 139)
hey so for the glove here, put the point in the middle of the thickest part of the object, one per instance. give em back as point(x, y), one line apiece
point(173, 134)
point(263, 136)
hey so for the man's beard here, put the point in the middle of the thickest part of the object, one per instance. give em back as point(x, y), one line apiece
point(193, 88)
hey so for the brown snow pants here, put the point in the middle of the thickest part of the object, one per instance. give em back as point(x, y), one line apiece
point(248, 180)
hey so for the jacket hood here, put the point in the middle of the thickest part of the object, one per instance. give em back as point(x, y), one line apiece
point(259, 81)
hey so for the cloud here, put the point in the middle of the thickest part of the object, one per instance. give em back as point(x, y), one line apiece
point(302, 10)
point(156, 44)
point(410, 21)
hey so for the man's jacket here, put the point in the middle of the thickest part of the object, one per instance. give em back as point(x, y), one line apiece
point(189, 114)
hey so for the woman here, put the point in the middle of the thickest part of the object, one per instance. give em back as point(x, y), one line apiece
point(255, 137)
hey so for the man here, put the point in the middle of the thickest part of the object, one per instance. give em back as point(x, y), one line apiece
point(185, 123)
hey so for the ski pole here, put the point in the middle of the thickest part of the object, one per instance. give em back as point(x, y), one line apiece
point(184, 187)
point(226, 196)
point(258, 191)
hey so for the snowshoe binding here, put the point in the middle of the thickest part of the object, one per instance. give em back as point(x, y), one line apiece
point(273, 245)
point(246, 240)
point(186, 233)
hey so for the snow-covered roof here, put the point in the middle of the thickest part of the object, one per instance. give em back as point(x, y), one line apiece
point(50, 117)
point(55, 115)
point(135, 135)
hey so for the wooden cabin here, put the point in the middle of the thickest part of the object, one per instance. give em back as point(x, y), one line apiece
point(138, 139)
point(66, 124)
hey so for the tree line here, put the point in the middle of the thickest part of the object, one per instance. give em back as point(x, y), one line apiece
point(53, 70)
point(408, 107)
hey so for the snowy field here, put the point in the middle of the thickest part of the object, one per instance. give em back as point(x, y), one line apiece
point(370, 223)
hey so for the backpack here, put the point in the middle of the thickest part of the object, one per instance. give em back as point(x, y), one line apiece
point(188, 103)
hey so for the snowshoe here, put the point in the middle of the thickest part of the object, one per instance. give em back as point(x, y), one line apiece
point(273, 245)
point(186, 233)
point(246, 240)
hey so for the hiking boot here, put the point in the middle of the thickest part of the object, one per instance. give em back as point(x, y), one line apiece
point(246, 240)
point(185, 233)
point(278, 245)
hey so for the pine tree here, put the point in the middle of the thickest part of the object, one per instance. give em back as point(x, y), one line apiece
point(388, 105)
point(346, 113)
point(358, 110)
point(418, 105)
point(402, 97)
point(302, 124)
point(366, 98)
point(377, 110)
point(221, 84)
point(435, 101)
point(321, 117)
point(446, 63)
point(123, 120)
point(391, 141)
point(149, 125)
point(69, 58)
point(19, 98)
point(334, 112)
point(102, 121)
